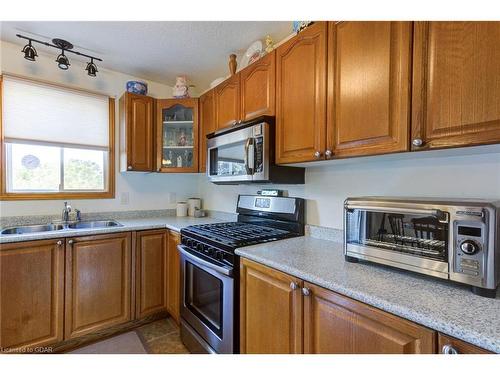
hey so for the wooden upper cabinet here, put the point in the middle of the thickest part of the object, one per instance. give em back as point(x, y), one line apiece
point(451, 345)
point(151, 272)
point(98, 283)
point(31, 294)
point(270, 311)
point(456, 84)
point(207, 125)
point(177, 135)
point(258, 88)
point(369, 66)
point(301, 96)
point(136, 132)
point(227, 102)
point(174, 276)
point(334, 324)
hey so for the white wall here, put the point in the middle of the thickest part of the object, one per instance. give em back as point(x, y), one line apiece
point(146, 190)
point(425, 174)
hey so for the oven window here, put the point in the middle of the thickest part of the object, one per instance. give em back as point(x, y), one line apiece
point(204, 297)
point(419, 235)
point(228, 160)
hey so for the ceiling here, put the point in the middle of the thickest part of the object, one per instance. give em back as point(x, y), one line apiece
point(157, 51)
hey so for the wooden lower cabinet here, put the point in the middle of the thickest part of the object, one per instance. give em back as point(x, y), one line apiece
point(282, 314)
point(174, 281)
point(31, 294)
point(270, 311)
point(451, 345)
point(98, 283)
point(334, 324)
point(151, 272)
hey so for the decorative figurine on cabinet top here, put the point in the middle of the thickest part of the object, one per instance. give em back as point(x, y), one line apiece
point(269, 44)
point(181, 88)
point(298, 26)
point(232, 64)
point(137, 87)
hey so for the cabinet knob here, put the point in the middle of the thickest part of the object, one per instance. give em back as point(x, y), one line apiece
point(317, 154)
point(129, 167)
point(449, 349)
point(417, 142)
point(59, 243)
point(293, 286)
point(306, 292)
point(70, 242)
point(328, 153)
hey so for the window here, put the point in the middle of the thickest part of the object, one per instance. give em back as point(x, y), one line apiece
point(57, 142)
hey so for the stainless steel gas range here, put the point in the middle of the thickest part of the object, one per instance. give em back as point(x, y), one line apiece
point(210, 268)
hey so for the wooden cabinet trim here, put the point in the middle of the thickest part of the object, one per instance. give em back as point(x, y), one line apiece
point(207, 125)
point(72, 331)
point(57, 295)
point(315, 35)
point(266, 64)
point(174, 276)
point(398, 116)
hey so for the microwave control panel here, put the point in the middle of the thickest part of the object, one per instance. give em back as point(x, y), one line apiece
point(470, 247)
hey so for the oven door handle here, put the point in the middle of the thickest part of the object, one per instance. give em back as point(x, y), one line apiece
point(442, 216)
point(204, 263)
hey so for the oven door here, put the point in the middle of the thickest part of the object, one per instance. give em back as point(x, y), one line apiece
point(239, 156)
point(208, 300)
point(416, 239)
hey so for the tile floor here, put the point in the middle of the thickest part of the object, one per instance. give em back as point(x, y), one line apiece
point(160, 337)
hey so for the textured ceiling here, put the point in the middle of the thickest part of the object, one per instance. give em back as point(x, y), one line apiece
point(156, 51)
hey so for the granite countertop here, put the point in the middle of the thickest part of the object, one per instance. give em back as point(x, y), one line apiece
point(438, 304)
point(169, 222)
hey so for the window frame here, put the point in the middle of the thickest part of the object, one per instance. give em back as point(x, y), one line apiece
point(110, 167)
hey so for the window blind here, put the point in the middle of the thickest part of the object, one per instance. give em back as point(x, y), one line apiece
point(33, 112)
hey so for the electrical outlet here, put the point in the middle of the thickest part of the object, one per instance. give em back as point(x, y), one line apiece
point(171, 197)
point(124, 197)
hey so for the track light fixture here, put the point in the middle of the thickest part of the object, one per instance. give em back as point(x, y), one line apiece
point(62, 60)
point(29, 52)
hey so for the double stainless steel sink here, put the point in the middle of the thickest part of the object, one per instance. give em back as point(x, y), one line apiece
point(91, 224)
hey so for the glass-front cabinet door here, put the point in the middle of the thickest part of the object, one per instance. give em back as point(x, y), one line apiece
point(177, 135)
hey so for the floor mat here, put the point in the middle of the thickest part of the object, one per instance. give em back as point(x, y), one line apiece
point(127, 343)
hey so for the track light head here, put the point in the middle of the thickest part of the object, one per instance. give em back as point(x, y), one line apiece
point(63, 61)
point(91, 68)
point(29, 52)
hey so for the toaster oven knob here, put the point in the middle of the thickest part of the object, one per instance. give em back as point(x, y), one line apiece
point(469, 247)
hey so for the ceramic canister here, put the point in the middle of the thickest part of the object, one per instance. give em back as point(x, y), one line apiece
point(182, 209)
point(193, 204)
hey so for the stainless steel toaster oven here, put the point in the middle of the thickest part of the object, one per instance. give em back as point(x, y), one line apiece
point(457, 240)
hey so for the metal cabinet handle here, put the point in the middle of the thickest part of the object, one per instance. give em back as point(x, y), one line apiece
point(417, 142)
point(328, 153)
point(70, 242)
point(59, 243)
point(293, 286)
point(449, 349)
point(306, 292)
point(129, 167)
point(317, 154)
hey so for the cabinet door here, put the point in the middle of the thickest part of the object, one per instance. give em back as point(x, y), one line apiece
point(98, 290)
point(177, 135)
point(137, 132)
point(258, 88)
point(227, 102)
point(301, 96)
point(368, 87)
point(151, 272)
point(270, 311)
point(31, 294)
point(174, 281)
point(207, 125)
point(336, 324)
point(456, 84)
point(450, 345)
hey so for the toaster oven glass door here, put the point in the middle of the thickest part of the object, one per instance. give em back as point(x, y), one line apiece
point(420, 235)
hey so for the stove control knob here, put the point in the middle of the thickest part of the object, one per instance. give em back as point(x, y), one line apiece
point(199, 247)
point(469, 247)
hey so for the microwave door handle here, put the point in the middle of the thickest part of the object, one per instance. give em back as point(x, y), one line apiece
point(249, 161)
point(442, 216)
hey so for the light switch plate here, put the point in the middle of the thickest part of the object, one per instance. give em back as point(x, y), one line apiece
point(124, 197)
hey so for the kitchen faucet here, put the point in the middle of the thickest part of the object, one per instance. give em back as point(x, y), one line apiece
point(66, 211)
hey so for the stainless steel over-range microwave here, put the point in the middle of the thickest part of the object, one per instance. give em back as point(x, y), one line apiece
point(244, 153)
point(457, 240)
